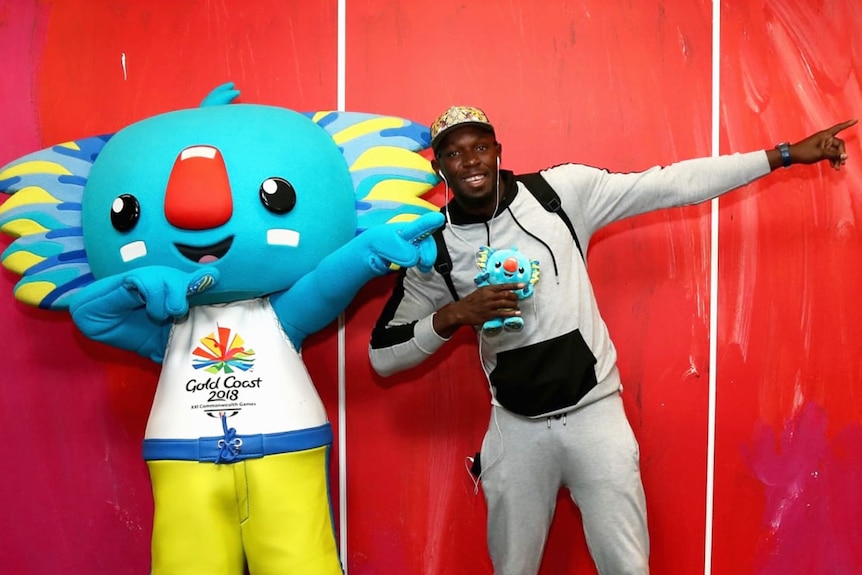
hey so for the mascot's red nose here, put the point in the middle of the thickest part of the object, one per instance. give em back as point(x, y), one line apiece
point(198, 195)
point(511, 265)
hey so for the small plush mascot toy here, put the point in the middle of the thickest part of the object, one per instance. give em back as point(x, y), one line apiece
point(213, 241)
point(502, 267)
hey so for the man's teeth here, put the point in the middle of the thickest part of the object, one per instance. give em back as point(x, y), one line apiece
point(474, 179)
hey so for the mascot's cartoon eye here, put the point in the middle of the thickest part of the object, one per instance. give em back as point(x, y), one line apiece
point(277, 195)
point(125, 212)
point(498, 264)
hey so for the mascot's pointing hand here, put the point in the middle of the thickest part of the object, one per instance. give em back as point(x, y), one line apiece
point(165, 291)
point(119, 307)
point(404, 245)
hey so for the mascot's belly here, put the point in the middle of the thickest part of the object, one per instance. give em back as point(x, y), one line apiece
point(232, 361)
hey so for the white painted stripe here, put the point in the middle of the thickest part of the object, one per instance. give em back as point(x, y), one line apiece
point(713, 293)
point(342, 387)
point(342, 54)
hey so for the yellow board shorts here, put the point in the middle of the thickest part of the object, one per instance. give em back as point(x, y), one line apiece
point(272, 514)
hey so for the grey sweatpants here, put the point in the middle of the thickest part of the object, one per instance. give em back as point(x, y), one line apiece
point(591, 451)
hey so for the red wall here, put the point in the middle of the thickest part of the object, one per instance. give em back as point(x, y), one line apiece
point(622, 85)
point(789, 366)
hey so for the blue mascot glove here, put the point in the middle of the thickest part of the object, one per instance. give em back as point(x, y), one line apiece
point(135, 310)
point(165, 290)
point(404, 244)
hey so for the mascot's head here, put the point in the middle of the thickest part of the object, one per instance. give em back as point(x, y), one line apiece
point(262, 193)
point(506, 266)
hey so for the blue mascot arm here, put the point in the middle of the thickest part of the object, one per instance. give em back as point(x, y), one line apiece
point(319, 296)
point(135, 310)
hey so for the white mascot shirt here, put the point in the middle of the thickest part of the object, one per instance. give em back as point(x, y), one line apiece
point(234, 360)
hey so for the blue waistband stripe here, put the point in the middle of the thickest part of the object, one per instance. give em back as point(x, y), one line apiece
point(251, 447)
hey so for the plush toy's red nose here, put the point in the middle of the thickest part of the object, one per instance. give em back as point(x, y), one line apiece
point(198, 196)
point(511, 265)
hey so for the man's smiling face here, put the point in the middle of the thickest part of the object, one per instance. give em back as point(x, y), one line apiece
point(467, 160)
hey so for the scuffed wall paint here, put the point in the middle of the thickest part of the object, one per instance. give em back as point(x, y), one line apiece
point(22, 38)
point(812, 497)
point(789, 337)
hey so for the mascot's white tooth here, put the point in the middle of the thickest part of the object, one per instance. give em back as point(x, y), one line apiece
point(198, 152)
point(282, 238)
point(133, 251)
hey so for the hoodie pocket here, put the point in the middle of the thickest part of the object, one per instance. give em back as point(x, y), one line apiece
point(544, 376)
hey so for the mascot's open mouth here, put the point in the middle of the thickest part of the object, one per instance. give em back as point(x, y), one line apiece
point(206, 254)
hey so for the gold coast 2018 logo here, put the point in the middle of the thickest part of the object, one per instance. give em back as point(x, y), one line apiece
point(223, 351)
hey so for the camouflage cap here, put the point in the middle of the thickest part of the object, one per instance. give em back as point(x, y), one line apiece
point(455, 117)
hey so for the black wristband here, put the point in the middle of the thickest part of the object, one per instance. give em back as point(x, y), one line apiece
point(784, 149)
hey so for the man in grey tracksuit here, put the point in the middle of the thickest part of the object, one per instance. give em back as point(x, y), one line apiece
point(557, 417)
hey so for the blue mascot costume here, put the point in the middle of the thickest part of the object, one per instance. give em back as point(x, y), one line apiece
point(213, 241)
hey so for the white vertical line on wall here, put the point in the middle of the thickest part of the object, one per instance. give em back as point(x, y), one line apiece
point(713, 293)
point(342, 347)
point(342, 51)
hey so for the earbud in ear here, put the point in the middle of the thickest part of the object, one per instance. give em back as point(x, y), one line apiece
point(498, 162)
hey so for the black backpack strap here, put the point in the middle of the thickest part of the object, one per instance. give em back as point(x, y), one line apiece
point(547, 196)
point(443, 263)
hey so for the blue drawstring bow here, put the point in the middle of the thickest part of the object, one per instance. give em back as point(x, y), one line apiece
point(230, 445)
